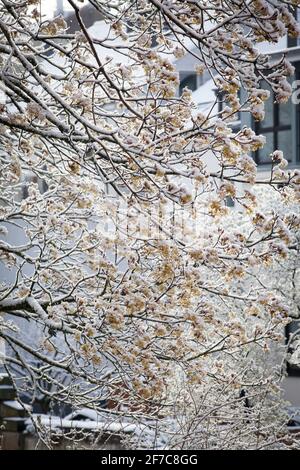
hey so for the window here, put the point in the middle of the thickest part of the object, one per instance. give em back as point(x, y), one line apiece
point(281, 126)
point(189, 80)
point(277, 128)
point(293, 328)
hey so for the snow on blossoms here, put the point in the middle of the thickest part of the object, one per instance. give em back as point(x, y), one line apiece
point(125, 271)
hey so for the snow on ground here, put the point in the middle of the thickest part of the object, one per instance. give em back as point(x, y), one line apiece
point(15, 405)
point(55, 423)
point(141, 435)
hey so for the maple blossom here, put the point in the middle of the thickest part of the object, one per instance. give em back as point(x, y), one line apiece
point(125, 270)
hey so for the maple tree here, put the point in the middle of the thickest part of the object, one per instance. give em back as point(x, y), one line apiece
point(139, 286)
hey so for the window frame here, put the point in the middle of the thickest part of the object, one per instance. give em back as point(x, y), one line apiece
point(274, 130)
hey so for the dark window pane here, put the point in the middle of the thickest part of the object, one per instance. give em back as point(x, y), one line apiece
point(285, 114)
point(189, 80)
point(285, 144)
point(264, 153)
